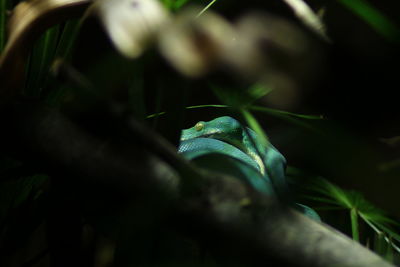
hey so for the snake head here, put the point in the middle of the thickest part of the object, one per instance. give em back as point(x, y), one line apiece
point(222, 127)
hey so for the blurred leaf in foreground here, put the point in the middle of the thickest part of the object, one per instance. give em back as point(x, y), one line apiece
point(308, 17)
point(131, 25)
point(378, 21)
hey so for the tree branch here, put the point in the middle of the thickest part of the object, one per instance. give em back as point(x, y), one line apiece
point(236, 222)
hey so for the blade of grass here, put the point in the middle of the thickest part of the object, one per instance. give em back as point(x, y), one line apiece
point(68, 38)
point(389, 231)
point(258, 91)
point(239, 97)
point(189, 107)
point(294, 118)
point(396, 248)
point(26, 22)
point(207, 106)
point(288, 116)
point(323, 200)
point(41, 58)
point(379, 243)
point(354, 225)
point(285, 113)
point(378, 21)
point(389, 252)
point(370, 224)
point(253, 124)
point(330, 190)
point(3, 17)
point(377, 216)
point(63, 53)
point(357, 205)
point(378, 231)
point(206, 8)
point(327, 208)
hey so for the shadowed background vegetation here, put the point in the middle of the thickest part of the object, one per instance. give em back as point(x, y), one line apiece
point(330, 109)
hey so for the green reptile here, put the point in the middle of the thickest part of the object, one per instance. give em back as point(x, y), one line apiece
point(224, 145)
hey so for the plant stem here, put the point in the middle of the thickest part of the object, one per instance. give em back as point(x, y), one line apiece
point(205, 9)
point(3, 15)
point(354, 224)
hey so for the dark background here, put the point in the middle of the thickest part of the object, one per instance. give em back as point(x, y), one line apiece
point(354, 88)
point(356, 92)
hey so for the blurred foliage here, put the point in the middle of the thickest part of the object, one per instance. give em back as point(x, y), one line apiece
point(328, 197)
point(73, 64)
point(378, 21)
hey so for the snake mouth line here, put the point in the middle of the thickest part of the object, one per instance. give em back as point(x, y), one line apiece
point(206, 135)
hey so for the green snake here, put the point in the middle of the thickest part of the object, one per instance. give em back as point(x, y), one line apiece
point(224, 145)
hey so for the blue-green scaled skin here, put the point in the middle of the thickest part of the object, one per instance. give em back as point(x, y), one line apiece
point(224, 145)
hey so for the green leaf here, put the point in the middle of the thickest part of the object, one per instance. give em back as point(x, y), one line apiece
point(323, 187)
point(207, 106)
point(379, 243)
point(388, 230)
point(67, 39)
point(206, 8)
point(239, 97)
point(253, 124)
point(389, 253)
point(327, 208)
point(357, 205)
point(243, 98)
point(189, 107)
point(258, 91)
point(168, 3)
point(383, 246)
point(323, 200)
point(3, 18)
point(378, 21)
point(285, 113)
point(354, 225)
point(384, 233)
point(40, 61)
point(294, 118)
point(178, 4)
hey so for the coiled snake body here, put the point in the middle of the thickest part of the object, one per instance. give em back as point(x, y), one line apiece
point(224, 145)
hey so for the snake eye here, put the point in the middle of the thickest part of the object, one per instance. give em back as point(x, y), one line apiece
point(199, 126)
